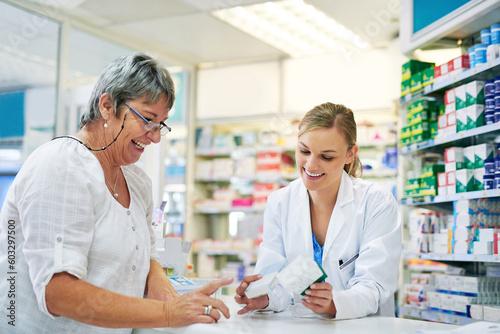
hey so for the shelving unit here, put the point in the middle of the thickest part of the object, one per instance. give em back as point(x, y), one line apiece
point(413, 153)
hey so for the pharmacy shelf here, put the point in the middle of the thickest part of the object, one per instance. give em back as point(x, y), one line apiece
point(484, 132)
point(254, 178)
point(454, 257)
point(216, 252)
point(380, 173)
point(480, 72)
point(225, 211)
point(430, 200)
point(432, 315)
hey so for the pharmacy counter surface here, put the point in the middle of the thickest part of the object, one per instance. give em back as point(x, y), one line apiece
point(284, 322)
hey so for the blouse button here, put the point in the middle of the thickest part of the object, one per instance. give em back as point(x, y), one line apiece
point(133, 228)
point(128, 212)
point(133, 268)
point(136, 246)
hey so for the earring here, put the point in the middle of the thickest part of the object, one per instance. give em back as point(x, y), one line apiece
point(105, 124)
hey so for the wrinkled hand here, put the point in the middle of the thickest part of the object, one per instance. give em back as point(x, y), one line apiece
point(256, 303)
point(319, 299)
point(159, 288)
point(190, 307)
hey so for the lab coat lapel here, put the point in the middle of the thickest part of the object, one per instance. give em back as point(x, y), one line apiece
point(300, 212)
point(338, 219)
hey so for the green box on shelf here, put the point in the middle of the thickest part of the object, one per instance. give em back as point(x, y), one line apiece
point(419, 126)
point(428, 185)
point(416, 82)
point(433, 129)
point(413, 66)
point(441, 109)
point(422, 104)
point(428, 76)
point(465, 180)
point(475, 116)
point(431, 171)
point(412, 184)
point(405, 141)
point(420, 136)
point(461, 119)
point(406, 131)
point(474, 93)
point(405, 87)
point(420, 116)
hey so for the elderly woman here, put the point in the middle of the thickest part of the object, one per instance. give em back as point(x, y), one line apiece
point(78, 216)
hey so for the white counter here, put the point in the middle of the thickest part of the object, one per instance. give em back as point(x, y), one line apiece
point(284, 322)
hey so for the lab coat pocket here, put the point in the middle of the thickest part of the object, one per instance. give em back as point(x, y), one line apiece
point(347, 270)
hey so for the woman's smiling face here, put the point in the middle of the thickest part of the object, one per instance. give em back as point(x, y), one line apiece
point(135, 138)
point(321, 155)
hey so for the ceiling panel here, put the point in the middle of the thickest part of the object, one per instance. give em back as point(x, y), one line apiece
point(202, 37)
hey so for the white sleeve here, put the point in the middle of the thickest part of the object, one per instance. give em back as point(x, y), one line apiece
point(376, 269)
point(56, 208)
point(271, 251)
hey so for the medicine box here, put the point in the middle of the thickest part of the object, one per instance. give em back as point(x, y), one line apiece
point(460, 97)
point(427, 76)
point(431, 170)
point(469, 157)
point(474, 93)
point(451, 180)
point(465, 180)
point(462, 120)
point(405, 87)
point(481, 153)
point(449, 100)
point(475, 116)
point(416, 82)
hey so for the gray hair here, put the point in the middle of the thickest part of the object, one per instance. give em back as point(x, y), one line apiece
point(127, 78)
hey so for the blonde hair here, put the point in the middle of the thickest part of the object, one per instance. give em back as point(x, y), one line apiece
point(329, 115)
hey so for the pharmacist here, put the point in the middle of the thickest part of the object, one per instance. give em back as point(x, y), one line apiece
point(77, 219)
point(349, 226)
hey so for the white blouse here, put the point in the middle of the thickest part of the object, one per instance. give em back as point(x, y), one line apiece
point(66, 220)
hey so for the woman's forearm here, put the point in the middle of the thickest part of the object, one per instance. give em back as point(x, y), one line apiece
point(73, 298)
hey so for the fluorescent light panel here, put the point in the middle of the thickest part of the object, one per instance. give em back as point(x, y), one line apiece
point(297, 28)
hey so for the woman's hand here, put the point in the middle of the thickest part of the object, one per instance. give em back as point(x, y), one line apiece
point(158, 285)
point(319, 299)
point(159, 288)
point(257, 303)
point(190, 307)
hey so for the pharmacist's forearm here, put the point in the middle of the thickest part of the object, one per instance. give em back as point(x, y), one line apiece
point(72, 298)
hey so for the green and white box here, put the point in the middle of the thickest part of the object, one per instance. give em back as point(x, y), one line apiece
point(475, 116)
point(478, 178)
point(460, 97)
point(483, 152)
point(470, 157)
point(462, 119)
point(465, 180)
point(474, 93)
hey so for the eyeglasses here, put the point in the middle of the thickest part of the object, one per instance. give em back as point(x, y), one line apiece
point(151, 125)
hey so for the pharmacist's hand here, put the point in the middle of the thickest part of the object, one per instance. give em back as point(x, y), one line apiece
point(190, 307)
point(319, 299)
point(256, 303)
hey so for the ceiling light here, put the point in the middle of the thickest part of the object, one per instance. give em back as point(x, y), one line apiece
point(296, 28)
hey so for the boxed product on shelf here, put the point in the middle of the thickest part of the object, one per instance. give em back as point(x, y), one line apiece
point(491, 313)
point(458, 65)
point(462, 120)
point(204, 170)
point(405, 87)
point(416, 82)
point(427, 77)
point(478, 178)
point(260, 193)
point(460, 97)
point(451, 181)
point(449, 100)
point(431, 170)
point(469, 157)
point(428, 186)
point(442, 184)
point(222, 168)
point(483, 152)
point(413, 66)
point(415, 295)
point(454, 158)
point(474, 93)
point(465, 180)
point(475, 116)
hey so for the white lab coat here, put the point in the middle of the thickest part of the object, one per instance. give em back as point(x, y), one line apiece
point(365, 226)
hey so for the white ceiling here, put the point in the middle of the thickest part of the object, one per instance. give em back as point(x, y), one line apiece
point(186, 27)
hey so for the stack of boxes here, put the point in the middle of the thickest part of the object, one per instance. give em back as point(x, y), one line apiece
point(426, 184)
point(413, 74)
point(464, 109)
point(451, 68)
point(475, 226)
point(465, 169)
point(428, 232)
point(421, 122)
